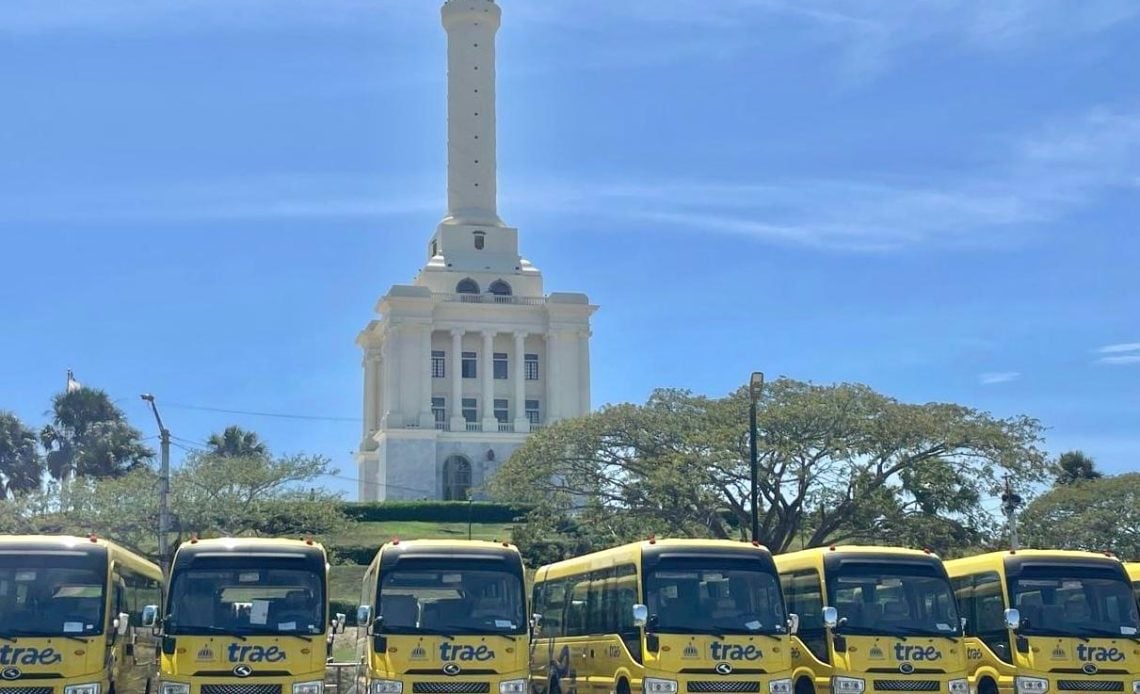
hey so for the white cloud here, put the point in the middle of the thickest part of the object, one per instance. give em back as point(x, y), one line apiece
point(994, 377)
point(1120, 360)
point(1122, 347)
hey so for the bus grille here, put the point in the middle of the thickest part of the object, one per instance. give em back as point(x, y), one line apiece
point(717, 686)
point(906, 685)
point(1089, 686)
point(241, 689)
point(26, 690)
point(450, 687)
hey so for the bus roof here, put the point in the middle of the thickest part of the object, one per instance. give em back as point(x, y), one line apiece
point(876, 550)
point(1133, 569)
point(90, 544)
point(649, 548)
point(249, 545)
point(1017, 556)
point(447, 549)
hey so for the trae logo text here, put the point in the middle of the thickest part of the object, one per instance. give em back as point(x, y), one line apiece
point(238, 653)
point(1099, 654)
point(918, 653)
point(449, 652)
point(727, 651)
point(10, 655)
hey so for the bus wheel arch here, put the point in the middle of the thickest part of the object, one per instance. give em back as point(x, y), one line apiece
point(986, 685)
point(804, 685)
point(622, 686)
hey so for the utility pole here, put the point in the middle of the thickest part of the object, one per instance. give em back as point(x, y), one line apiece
point(755, 385)
point(163, 487)
point(1010, 500)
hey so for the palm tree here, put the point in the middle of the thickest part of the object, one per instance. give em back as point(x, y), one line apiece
point(236, 442)
point(21, 465)
point(90, 436)
point(1074, 467)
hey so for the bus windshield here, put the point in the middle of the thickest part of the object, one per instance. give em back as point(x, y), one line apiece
point(897, 598)
point(1061, 600)
point(468, 597)
point(720, 596)
point(261, 597)
point(51, 595)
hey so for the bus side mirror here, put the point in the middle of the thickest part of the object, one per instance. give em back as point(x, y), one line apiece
point(364, 617)
point(1012, 619)
point(640, 615)
point(122, 623)
point(793, 623)
point(338, 623)
point(150, 616)
point(964, 622)
point(535, 620)
point(830, 617)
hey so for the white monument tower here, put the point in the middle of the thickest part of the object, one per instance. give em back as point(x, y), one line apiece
point(460, 366)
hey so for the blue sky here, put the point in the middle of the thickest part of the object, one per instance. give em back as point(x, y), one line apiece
point(204, 199)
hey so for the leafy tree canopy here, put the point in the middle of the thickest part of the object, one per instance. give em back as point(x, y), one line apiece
point(21, 465)
point(1094, 515)
point(236, 442)
point(836, 463)
point(1073, 467)
point(90, 437)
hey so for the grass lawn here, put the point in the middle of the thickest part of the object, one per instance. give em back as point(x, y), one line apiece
point(374, 534)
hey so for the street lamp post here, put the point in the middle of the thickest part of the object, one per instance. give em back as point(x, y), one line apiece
point(163, 487)
point(755, 385)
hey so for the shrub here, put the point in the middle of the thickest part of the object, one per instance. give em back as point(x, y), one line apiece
point(434, 511)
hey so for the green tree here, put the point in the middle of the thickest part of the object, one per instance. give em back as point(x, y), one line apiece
point(236, 442)
point(1095, 515)
point(258, 495)
point(21, 465)
point(1073, 467)
point(90, 437)
point(837, 463)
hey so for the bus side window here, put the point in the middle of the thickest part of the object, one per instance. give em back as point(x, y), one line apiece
point(981, 603)
point(804, 595)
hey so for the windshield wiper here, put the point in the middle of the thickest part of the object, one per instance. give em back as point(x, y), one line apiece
point(691, 630)
point(192, 630)
point(445, 633)
point(914, 631)
point(10, 635)
point(1112, 634)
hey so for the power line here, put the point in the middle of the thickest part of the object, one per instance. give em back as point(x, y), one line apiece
point(279, 415)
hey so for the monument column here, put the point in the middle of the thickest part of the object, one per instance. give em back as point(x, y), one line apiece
point(457, 423)
point(471, 186)
point(519, 368)
point(488, 366)
point(426, 419)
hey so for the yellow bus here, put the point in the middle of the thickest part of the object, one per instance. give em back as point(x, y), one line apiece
point(873, 619)
point(246, 616)
point(72, 616)
point(1048, 621)
point(443, 617)
point(662, 617)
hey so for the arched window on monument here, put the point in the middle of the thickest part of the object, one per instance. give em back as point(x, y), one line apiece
point(467, 286)
point(456, 478)
point(500, 288)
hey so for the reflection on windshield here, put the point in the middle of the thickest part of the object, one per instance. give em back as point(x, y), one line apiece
point(1059, 601)
point(38, 597)
point(460, 600)
point(247, 601)
point(884, 598)
point(714, 597)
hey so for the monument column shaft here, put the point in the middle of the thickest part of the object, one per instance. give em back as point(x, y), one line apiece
point(471, 179)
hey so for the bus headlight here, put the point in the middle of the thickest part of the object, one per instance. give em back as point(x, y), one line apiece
point(174, 688)
point(1135, 686)
point(961, 686)
point(653, 685)
point(1031, 685)
point(780, 687)
point(512, 687)
point(90, 688)
point(315, 687)
point(386, 687)
point(847, 685)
